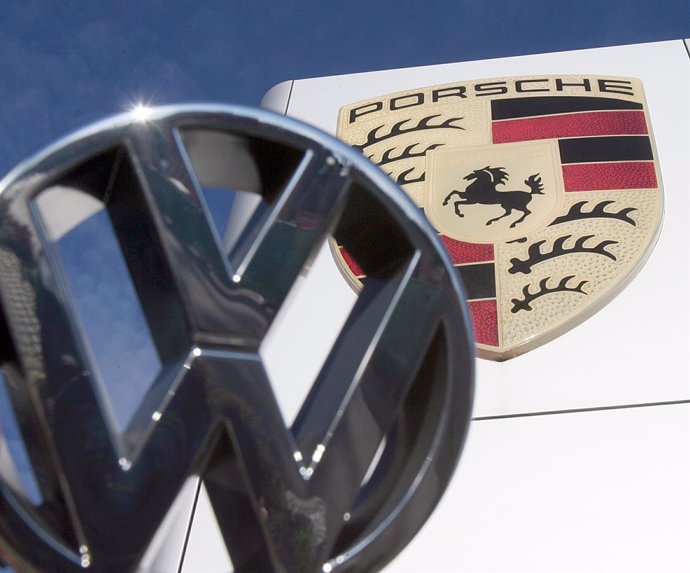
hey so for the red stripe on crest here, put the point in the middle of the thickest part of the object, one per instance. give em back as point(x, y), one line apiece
point(352, 264)
point(610, 176)
point(485, 318)
point(570, 125)
point(461, 252)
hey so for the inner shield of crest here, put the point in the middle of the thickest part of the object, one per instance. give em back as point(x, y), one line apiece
point(493, 193)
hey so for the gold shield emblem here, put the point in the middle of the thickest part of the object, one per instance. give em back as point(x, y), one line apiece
point(545, 190)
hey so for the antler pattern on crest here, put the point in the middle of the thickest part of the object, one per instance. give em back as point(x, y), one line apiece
point(403, 179)
point(400, 128)
point(598, 212)
point(536, 256)
point(544, 289)
point(406, 153)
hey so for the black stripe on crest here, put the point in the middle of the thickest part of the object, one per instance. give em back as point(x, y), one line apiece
point(610, 148)
point(547, 105)
point(479, 280)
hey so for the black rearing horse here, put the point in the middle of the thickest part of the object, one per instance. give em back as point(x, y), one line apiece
point(483, 191)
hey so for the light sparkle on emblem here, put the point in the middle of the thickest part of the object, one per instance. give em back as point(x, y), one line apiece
point(142, 112)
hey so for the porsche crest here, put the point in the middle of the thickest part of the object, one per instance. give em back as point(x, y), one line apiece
point(546, 192)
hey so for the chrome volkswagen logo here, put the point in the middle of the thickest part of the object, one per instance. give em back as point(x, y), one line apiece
point(107, 448)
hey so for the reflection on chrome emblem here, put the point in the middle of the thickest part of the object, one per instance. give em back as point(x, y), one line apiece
point(121, 379)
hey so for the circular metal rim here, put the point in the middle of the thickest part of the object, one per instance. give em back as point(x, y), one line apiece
point(48, 165)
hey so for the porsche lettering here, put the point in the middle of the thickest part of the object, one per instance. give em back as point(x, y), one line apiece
point(446, 94)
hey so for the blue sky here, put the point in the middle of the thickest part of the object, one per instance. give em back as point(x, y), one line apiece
point(64, 65)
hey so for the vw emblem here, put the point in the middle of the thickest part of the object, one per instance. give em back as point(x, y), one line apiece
point(103, 422)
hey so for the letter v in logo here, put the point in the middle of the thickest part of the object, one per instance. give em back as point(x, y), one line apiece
point(110, 439)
